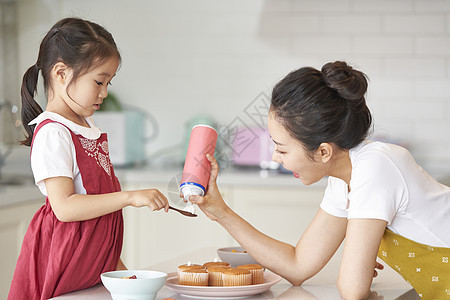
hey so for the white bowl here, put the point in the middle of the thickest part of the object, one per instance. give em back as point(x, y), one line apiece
point(236, 256)
point(145, 287)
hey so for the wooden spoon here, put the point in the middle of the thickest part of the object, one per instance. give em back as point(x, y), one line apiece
point(183, 212)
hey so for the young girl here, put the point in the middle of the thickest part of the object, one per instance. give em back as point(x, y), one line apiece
point(376, 192)
point(77, 234)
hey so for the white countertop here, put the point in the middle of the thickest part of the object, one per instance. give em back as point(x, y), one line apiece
point(18, 163)
point(18, 167)
point(232, 176)
point(322, 286)
point(18, 194)
point(16, 179)
point(388, 284)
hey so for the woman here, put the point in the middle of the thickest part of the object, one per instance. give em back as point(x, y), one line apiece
point(376, 192)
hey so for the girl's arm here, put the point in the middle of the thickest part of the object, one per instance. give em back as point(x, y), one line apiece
point(296, 264)
point(362, 241)
point(69, 206)
point(120, 265)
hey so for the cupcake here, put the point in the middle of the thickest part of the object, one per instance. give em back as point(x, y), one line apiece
point(236, 277)
point(215, 275)
point(189, 266)
point(194, 276)
point(216, 264)
point(256, 270)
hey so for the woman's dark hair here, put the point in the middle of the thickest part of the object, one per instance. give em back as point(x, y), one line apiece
point(323, 106)
point(80, 44)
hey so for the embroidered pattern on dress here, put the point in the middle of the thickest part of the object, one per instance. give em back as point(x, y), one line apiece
point(104, 146)
point(104, 162)
point(92, 147)
point(88, 144)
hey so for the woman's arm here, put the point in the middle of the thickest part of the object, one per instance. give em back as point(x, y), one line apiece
point(296, 264)
point(314, 249)
point(69, 206)
point(362, 241)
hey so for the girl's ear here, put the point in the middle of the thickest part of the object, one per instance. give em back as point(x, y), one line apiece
point(60, 73)
point(324, 152)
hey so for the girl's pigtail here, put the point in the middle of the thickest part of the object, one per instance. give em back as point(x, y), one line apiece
point(30, 108)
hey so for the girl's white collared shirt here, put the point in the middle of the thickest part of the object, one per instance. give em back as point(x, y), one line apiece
point(53, 153)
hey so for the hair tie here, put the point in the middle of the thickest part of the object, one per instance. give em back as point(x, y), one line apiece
point(55, 31)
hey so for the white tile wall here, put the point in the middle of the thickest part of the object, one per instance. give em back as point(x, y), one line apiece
point(383, 45)
point(415, 24)
point(432, 45)
point(433, 6)
point(214, 57)
point(415, 67)
point(383, 7)
point(325, 6)
point(350, 23)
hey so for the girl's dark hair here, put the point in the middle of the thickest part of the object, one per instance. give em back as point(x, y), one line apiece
point(80, 44)
point(323, 106)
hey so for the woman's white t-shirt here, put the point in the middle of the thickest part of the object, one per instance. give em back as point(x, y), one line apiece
point(387, 184)
point(53, 152)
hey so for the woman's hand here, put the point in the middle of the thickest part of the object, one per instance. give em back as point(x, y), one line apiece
point(152, 198)
point(212, 203)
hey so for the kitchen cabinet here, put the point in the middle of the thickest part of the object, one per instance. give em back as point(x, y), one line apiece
point(153, 237)
point(14, 220)
point(279, 206)
point(282, 212)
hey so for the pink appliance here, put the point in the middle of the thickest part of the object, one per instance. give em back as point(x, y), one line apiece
point(253, 147)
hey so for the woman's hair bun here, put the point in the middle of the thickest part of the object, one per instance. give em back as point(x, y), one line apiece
point(349, 83)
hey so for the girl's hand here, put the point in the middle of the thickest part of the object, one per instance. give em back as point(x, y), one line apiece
point(379, 267)
point(152, 198)
point(212, 203)
point(375, 296)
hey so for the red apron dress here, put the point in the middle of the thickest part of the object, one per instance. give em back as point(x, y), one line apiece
point(61, 257)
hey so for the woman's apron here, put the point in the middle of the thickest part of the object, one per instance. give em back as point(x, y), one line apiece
point(60, 257)
point(426, 268)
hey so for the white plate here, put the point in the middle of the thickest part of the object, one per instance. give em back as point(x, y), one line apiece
point(222, 291)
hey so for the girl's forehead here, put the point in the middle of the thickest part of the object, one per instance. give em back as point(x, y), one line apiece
point(107, 69)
